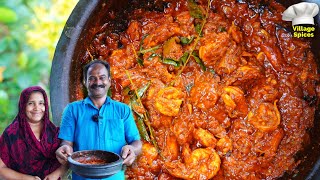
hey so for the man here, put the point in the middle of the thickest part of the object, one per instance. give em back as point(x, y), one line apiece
point(98, 122)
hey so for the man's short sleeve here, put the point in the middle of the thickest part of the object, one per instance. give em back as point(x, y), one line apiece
point(130, 127)
point(67, 125)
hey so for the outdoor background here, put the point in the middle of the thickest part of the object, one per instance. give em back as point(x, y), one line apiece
point(29, 32)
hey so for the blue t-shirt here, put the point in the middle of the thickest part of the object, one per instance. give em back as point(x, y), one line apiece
point(114, 129)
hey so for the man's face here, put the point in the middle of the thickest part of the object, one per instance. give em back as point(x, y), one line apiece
point(98, 81)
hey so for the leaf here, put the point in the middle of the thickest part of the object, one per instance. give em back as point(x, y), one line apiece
point(1, 73)
point(184, 58)
point(142, 129)
point(4, 102)
point(141, 42)
point(195, 10)
point(198, 29)
point(171, 62)
point(142, 90)
point(199, 61)
point(153, 55)
point(24, 80)
point(185, 40)
point(133, 104)
point(13, 44)
point(7, 15)
point(22, 60)
point(221, 29)
point(7, 58)
point(140, 61)
point(149, 50)
point(3, 44)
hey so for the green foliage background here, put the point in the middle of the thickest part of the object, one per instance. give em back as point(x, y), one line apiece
point(29, 32)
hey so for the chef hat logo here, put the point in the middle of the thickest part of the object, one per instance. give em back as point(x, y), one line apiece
point(301, 13)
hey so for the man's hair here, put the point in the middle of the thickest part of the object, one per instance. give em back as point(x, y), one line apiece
point(91, 63)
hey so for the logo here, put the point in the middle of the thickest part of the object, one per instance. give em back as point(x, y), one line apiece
point(301, 15)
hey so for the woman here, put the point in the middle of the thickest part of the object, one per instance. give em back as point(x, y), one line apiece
point(28, 144)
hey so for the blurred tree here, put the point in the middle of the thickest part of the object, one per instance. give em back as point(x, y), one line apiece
point(29, 31)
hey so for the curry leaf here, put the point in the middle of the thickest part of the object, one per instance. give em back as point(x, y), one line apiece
point(142, 90)
point(133, 104)
point(221, 29)
point(198, 29)
point(171, 62)
point(195, 10)
point(185, 40)
point(7, 15)
point(199, 61)
point(142, 129)
point(184, 58)
point(141, 42)
point(143, 51)
point(153, 55)
point(140, 61)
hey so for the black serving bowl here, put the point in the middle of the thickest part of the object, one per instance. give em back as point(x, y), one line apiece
point(112, 163)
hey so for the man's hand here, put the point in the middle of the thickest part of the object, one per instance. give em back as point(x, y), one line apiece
point(63, 152)
point(127, 153)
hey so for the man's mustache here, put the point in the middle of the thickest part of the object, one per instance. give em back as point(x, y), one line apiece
point(94, 86)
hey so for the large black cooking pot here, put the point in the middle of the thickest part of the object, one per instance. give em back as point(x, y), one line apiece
point(78, 32)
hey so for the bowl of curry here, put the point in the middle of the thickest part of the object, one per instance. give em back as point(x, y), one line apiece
point(219, 89)
point(95, 163)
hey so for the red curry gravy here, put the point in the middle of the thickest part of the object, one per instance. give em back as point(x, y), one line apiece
point(219, 90)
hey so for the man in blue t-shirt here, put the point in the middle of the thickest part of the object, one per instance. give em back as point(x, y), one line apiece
point(98, 122)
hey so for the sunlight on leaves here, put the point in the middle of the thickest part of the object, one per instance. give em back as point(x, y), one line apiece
point(1, 73)
point(49, 24)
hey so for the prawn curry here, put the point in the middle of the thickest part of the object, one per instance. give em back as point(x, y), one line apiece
point(219, 89)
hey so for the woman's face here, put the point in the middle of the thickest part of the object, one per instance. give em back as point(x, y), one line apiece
point(35, 107)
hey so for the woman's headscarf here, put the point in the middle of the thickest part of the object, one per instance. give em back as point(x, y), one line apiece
point(19, 148)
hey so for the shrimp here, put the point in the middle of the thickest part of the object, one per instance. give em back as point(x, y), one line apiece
point(183, 130)
point(224, 145)
point(149, 156)
point(168, 101)
point(170, 147)
point(202, 163)
point(146, 165)
point(266, 117)
point(205, 137)
point(235, 102)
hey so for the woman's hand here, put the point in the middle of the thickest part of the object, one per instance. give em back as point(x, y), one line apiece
point(57, 174)
point(36, 178)
point(52, 176)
